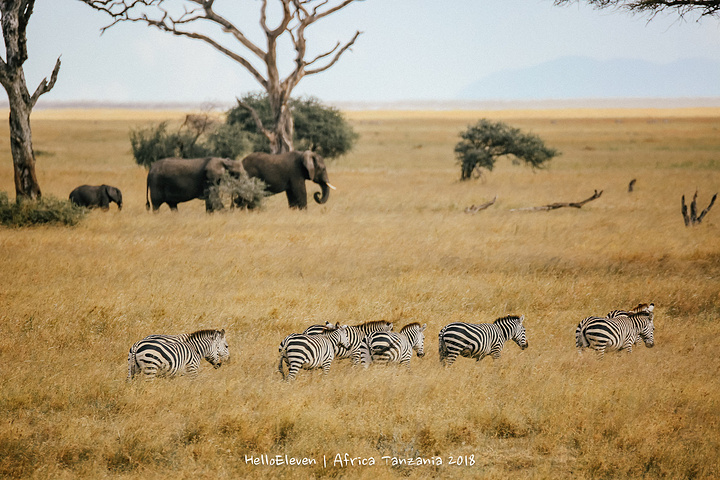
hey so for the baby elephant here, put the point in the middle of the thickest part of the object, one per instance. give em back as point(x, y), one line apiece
point(93, 196)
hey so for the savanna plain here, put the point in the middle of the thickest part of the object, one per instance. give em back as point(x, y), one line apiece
point(392, 243)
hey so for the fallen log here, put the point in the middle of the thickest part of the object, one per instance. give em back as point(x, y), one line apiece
point(476, 208)
point(554, 206)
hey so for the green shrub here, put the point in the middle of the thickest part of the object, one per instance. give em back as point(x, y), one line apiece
point(318, 127)
point(46, 211)
point(483, 143)
point(153, 143)
point(229, 141)
point(242, 192)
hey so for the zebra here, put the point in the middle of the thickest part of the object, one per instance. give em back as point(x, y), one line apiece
point(310, 351)
point(176, 355)
point(641, 307)
point(397, 347)
point(620, 332)
point(311, 330)
point(356, 335)
point(478, 340)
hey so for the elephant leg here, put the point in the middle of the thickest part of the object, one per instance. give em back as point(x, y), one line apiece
point(173, 206)
point(296, 200)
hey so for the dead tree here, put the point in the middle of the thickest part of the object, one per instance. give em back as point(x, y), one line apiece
point(693, 218)
point(553, 206)
point(15, 17)
point(476, 208)
point(190, 18)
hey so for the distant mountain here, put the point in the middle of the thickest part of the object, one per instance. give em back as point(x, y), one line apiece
point(580, 77)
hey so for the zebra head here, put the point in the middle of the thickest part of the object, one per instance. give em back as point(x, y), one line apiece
point(342, 332)
point(519, 335)
point(329, 327)
point(647, 331)
point(219, 351)
point(415, 333)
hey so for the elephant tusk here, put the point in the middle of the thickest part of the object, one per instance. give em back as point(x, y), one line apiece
point(331, 186)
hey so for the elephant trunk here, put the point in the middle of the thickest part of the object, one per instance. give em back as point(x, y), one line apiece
point(325, 193)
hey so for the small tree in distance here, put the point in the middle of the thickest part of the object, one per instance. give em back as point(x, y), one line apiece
point(483, 143)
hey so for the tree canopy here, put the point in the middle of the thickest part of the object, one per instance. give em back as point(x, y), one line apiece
point(217, 23)
point(318, 127)
point(486, 141)
point(653, 7)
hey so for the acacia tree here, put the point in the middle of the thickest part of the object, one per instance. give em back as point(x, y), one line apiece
point(15, 17)
point(486, 141)
point(652, 7)
point(188, 18)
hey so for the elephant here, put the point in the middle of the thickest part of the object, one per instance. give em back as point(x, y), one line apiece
point(177, 180)
point(287, 172)
point(93, 196)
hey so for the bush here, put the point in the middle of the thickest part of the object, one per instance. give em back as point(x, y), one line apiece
point(318, 127)
point(243, 192)
point(229, 141)
point(46, 211)
point(483, 143)
point(153, 143)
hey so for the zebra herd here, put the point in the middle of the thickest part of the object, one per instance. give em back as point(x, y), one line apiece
point(376, 342)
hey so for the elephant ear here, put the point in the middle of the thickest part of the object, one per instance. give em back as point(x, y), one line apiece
point(113, 194)
point(308, 161)
point(214, 170)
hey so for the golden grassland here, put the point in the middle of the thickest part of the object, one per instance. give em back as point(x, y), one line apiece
point(392, 243)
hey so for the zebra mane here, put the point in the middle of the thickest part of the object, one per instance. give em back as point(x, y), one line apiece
point(372, 323)
point(410, 325)
point(202, 333)
point(508, 318)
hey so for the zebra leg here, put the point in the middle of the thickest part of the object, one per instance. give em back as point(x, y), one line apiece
point(326, 367)
point(449, 360)
point(293, 368)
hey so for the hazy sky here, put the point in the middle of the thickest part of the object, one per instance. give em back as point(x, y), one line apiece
point(409, 49)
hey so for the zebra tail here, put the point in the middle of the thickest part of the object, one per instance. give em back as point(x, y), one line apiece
point(133, 366)
point(442, 347)
point(365, 357)
point(581, 340)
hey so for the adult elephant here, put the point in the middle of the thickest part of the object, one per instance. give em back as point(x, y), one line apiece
point(287, 172)
point(177, 180)
point(94, 196)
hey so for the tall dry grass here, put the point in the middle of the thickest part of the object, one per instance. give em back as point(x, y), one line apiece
point(392, 243)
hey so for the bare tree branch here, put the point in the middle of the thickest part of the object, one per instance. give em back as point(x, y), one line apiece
point(554, 206)
point(653, 7)
point(296, 16)
point(476, 208)
point(693, 218)
point(45, 86)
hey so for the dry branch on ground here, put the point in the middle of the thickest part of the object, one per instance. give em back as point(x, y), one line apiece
point(553, 206)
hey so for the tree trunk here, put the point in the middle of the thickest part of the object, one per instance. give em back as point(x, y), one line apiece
point(26, 182)
point(282, 139)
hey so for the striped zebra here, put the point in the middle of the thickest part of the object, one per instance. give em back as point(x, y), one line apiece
point(356, 335)
point(176, 355)
point(310, 351)
point(311, 330)
point(620, 332)
point(478, 340)
point(396, 347)
point(641, 307)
